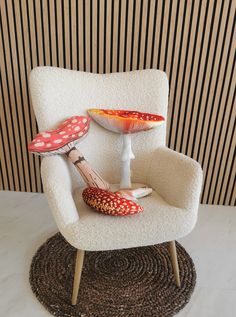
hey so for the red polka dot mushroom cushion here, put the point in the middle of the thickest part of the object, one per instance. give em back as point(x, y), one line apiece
point(109, 203)
point(51, 141)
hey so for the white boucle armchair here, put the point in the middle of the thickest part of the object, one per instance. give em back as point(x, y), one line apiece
point(169, 213)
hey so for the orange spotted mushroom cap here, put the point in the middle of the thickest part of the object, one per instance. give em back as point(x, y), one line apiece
point(125, 121)
point(109, 203)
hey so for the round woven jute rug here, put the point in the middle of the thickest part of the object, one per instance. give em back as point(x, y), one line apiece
point(137, 282)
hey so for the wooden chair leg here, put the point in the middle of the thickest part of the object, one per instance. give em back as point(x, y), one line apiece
point(77, 274)
point(174, 261)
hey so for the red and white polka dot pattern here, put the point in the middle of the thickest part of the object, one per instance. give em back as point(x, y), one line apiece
point(68, 131)
point(109, 203)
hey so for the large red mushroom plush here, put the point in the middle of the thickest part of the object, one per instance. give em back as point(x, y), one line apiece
point(125, 122)
point(62, 140)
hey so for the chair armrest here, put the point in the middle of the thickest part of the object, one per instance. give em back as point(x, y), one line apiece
point(57, 186)
point(176, 177)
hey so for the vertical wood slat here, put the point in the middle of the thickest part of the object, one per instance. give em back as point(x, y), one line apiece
point(66, 33)
point(191, 40)
point(81, 33)
point(101, 35)
point(157, 31)
point(5, 163)
point(53, 33)
point(122, 30)
point(149, 35)
point(130, 18)
point(162, 48)
point(59, 27)
point(107, 34)
point(94, 38)
point(135, 35)
point(115, 32)
point(45, 22)
point(39, 32)
point(73, 30)
point(88, 32)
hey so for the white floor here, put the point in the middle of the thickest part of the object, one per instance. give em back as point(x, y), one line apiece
point(26, 222)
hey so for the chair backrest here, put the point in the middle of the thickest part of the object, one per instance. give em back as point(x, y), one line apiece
point(59, 93)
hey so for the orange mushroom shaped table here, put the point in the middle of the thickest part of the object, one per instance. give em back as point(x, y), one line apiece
point(125, 122)
point(62, 140)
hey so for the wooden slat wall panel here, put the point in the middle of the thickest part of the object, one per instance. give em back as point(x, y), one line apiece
point(192, 41)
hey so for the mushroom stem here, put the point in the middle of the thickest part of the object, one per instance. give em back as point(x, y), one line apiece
point(126, 156)
point(89, 175)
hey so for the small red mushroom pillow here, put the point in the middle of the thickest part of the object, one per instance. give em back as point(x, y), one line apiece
point(109, 203)
point(56, 141)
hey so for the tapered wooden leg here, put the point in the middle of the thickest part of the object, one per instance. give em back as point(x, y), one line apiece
point(174, 261)
point(77, 274)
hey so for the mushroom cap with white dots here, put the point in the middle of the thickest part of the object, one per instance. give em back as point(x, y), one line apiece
point(59, 140)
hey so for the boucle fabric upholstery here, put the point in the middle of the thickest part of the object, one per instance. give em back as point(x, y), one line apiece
point(169, 213)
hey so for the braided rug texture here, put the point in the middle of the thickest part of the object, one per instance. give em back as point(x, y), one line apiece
point(137, 282)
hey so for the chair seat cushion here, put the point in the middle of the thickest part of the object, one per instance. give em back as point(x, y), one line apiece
point(159, 222)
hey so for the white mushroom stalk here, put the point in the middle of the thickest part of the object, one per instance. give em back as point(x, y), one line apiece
point(126, 156)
